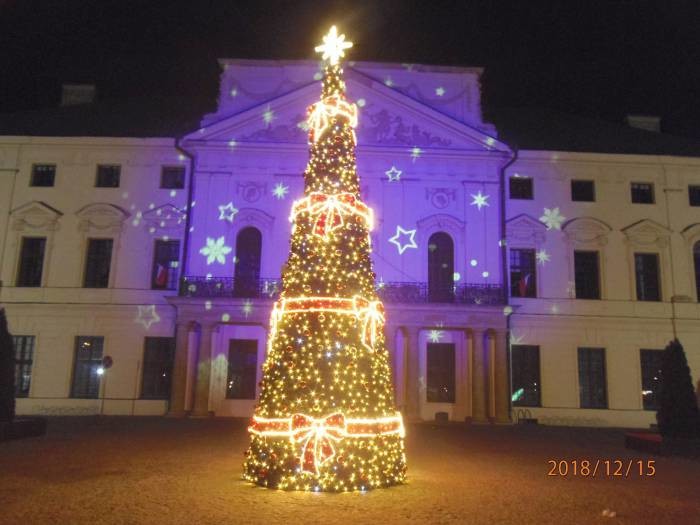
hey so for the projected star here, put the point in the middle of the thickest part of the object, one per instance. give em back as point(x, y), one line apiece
point(227, 212)
point(415, 153)
point(516, 339)
point(406, 244)
point(393, 174)
point(247, 308)
point(215, 250)
point(480, 200)
point(268, 116)
point(440, 91)
point(280, 190)
point(542, 256)
point(333, 47)
point(552, 218)
point(147, 316)
point(435, 335)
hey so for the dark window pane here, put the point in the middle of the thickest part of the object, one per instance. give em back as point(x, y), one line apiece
point(166, 262)
point(88, 360)
point(646, 268)
point(440, 268)
point(158, 356)
point(642, 193)
point(97, 263)
point(43, 175)
point(31, 261)
point(523, 277)
point(247, 270)
point(591, 378)
point(441, 373)
point(172, 177)
point(520, 188)
point(694, 195)
point(24, 357)
point(108, 176)
point(242, 368)
point(651, 377)
point(525, 363)
point(587, 275)
point(582, 190)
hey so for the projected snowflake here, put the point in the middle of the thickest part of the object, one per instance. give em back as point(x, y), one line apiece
point(215, 250)
point(552, 218)
point(280, 190)
point(542, 256)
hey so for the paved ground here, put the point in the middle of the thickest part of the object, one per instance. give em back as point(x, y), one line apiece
point(124, 471)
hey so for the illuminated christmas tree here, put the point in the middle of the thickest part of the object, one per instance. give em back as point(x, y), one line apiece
point(326, 418)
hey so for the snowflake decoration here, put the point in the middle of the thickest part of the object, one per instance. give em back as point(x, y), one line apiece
point(434, 336)
point(542, 257)
point(516, 339)
point(280, 190)
point(215, 250)
point(333, 47)
point(400, 232)
point(552, 218)
point(415, 153)
point(147, 316)
point(393, 174)
point(247, 308)
point(268, 116)
point(480, 200)
point(440, 91)
point(227, 212)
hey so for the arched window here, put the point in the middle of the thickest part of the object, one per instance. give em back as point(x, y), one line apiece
point(247, 266)
point(696, 259)
point(441, 268)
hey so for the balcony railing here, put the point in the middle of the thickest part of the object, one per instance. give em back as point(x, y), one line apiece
point(389, 292)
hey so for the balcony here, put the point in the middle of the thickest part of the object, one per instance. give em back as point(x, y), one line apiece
point(389, 292)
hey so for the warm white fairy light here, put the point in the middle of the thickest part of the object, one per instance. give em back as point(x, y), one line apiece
point(333, 47)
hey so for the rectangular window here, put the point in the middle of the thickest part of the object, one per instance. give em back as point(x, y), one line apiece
point(523, 278)
point(521, 188)
point(242, 368)
point(583, 191)
point(97, 263)
point(24, 357)
point(694, 195)
point(172, 177)
point(441, 373)
point(587, 275)
point(642, 193)
point(43, 175)
point(108, 176)
point(158, 355)
point(525, 363)
point(651, 377)
point(591, 378)
point(31, 261)
point(646, 270)
point(88, 360)
point(164, 273)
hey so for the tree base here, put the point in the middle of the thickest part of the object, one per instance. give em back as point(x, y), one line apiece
point(356, 464)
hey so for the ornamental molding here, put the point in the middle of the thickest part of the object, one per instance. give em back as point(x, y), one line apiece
point(586, 231)
point(35, 215)
point(441, 198)
point(692, 232)
point(101, 217)
point(165, 217)
point(441, 222)
point(386, 128)
point(526, 229)
point(647, 233)
point(254, 217)
point(251, 191)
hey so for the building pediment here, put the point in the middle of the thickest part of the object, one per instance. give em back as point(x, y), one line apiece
point(101, 217)
point(386, 118)
point(166, 217)
point(35, 215)
point(647, 233)
point(524, 228)
point(586, 230)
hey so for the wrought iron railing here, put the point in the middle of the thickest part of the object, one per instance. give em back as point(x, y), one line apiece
point(390, 292)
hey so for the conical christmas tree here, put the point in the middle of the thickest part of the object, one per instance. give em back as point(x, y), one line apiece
point(326, 418)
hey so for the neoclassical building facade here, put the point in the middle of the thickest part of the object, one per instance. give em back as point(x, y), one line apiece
point(520, 280)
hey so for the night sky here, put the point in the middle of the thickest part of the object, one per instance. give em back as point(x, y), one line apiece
point(587, 57)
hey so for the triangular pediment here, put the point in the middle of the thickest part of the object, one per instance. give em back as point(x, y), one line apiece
point(525, 228)
point(101, 216)
point(586, 230)
point(35, 215)
point(386, 118)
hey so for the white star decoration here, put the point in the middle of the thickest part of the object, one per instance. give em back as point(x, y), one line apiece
point(415, 153)
point(333, 47)
point(542, 256)
point(280, 190)
point(215, 250)
point(393, 174)
point(480, 200)
point(435, 335)
point(516, 339)
point(247, 307)
point(227, 212)
point(268, 116)
point(440, 91)
point(147, 316)
point(552, 218)
point(411, 239)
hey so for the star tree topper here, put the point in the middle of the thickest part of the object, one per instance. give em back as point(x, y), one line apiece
point(333, 47)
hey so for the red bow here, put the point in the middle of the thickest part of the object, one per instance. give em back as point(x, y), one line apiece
point(317, 436)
